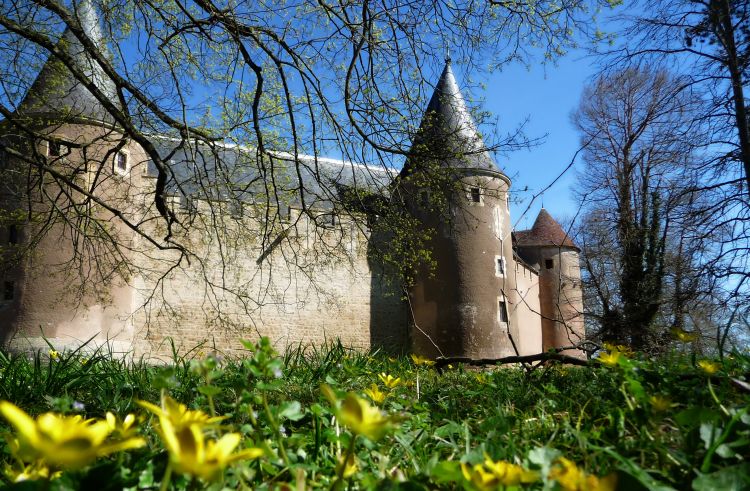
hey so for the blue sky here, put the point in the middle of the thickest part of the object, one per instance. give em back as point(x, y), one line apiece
point(546, 95)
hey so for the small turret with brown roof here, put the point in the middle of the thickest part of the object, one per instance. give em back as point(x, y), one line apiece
point(547, 247)
point(545, 232)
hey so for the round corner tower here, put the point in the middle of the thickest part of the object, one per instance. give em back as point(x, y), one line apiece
point(54, 291)
point(553, 253)
point(464, 305)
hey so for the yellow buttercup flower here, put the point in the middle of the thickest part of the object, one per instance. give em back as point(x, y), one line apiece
point(611, 358)
point(54, 355)
point(63, 441)
point(191, 453)
point(375, 394)
point(709, 367)
point(362, 418)
point(685, 336)
point(571, 478)
point(491, 474)
point(389, 380)
point(359, 416)
point(32, 472)
point(123, 428)
point(347, 468)
point(421, 360)
point(660, 403)
point(179, 415)
point(509, 474)
point(480, 477)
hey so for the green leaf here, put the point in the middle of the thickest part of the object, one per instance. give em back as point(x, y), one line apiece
point(447, 471)
point(695, 415)
point(734, 478)
point(291, 410)
point(641, 477)
point(709, 433)
point(209, 390)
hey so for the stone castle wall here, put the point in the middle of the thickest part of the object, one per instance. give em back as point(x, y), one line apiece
point(316, 285)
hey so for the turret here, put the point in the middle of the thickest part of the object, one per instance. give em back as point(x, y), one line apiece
point(68, 288)
point(465, 304)
point(57, 95)
point(547, 247)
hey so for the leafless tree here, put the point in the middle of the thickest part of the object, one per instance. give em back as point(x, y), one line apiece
point(640, 231)
point(708, 43)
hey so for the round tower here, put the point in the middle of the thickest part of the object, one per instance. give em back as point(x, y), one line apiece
point(548, 248)
point(464, 305)
point(59, 288)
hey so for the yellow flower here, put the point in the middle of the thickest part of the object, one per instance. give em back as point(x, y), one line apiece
point(63, 441)
point(491, 474)
point(660, 403)
point(571, 478)
point(362, 418)
point(389, 381)
point(421, 360)
point(54, 355)
point(611, 358)
point(685, 336)
point(480, 477)
point(509, 474)
point(347, 469)
point(374, 393)
point(123, 428)
point(191, 453)
point(32, 472)
point(359, 416)
point(710, 367)
point(179, 415)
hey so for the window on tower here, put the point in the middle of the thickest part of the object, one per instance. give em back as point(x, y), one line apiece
point(121, 163)
point(499, 266)
point(9, 290)
point(549, 263)
point(53, 149)
point(502, 311)
point(476, 195)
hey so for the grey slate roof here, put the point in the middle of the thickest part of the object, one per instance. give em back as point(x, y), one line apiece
point(226, 171)
point(448, 128)
point(56, 92)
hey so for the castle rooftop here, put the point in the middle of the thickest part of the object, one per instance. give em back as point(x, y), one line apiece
point(545, 232)
point(56, 93)
point(448, 128)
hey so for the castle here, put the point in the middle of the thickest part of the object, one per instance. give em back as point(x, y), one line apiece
point(78, 207)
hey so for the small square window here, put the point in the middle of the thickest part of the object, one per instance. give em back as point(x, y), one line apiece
point(9, 290)
point(476, 195)
point(502, 311)
point(54, 149)
point(12, 234)
point(121, 163)
point(549, 263)
point(328, 220)
point(499, 266)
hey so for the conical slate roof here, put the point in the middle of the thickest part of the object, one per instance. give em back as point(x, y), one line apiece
point(448, 132)
point(56, 93)
point(545, 232)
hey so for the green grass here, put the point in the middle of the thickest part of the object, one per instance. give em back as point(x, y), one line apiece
point(605, 419)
